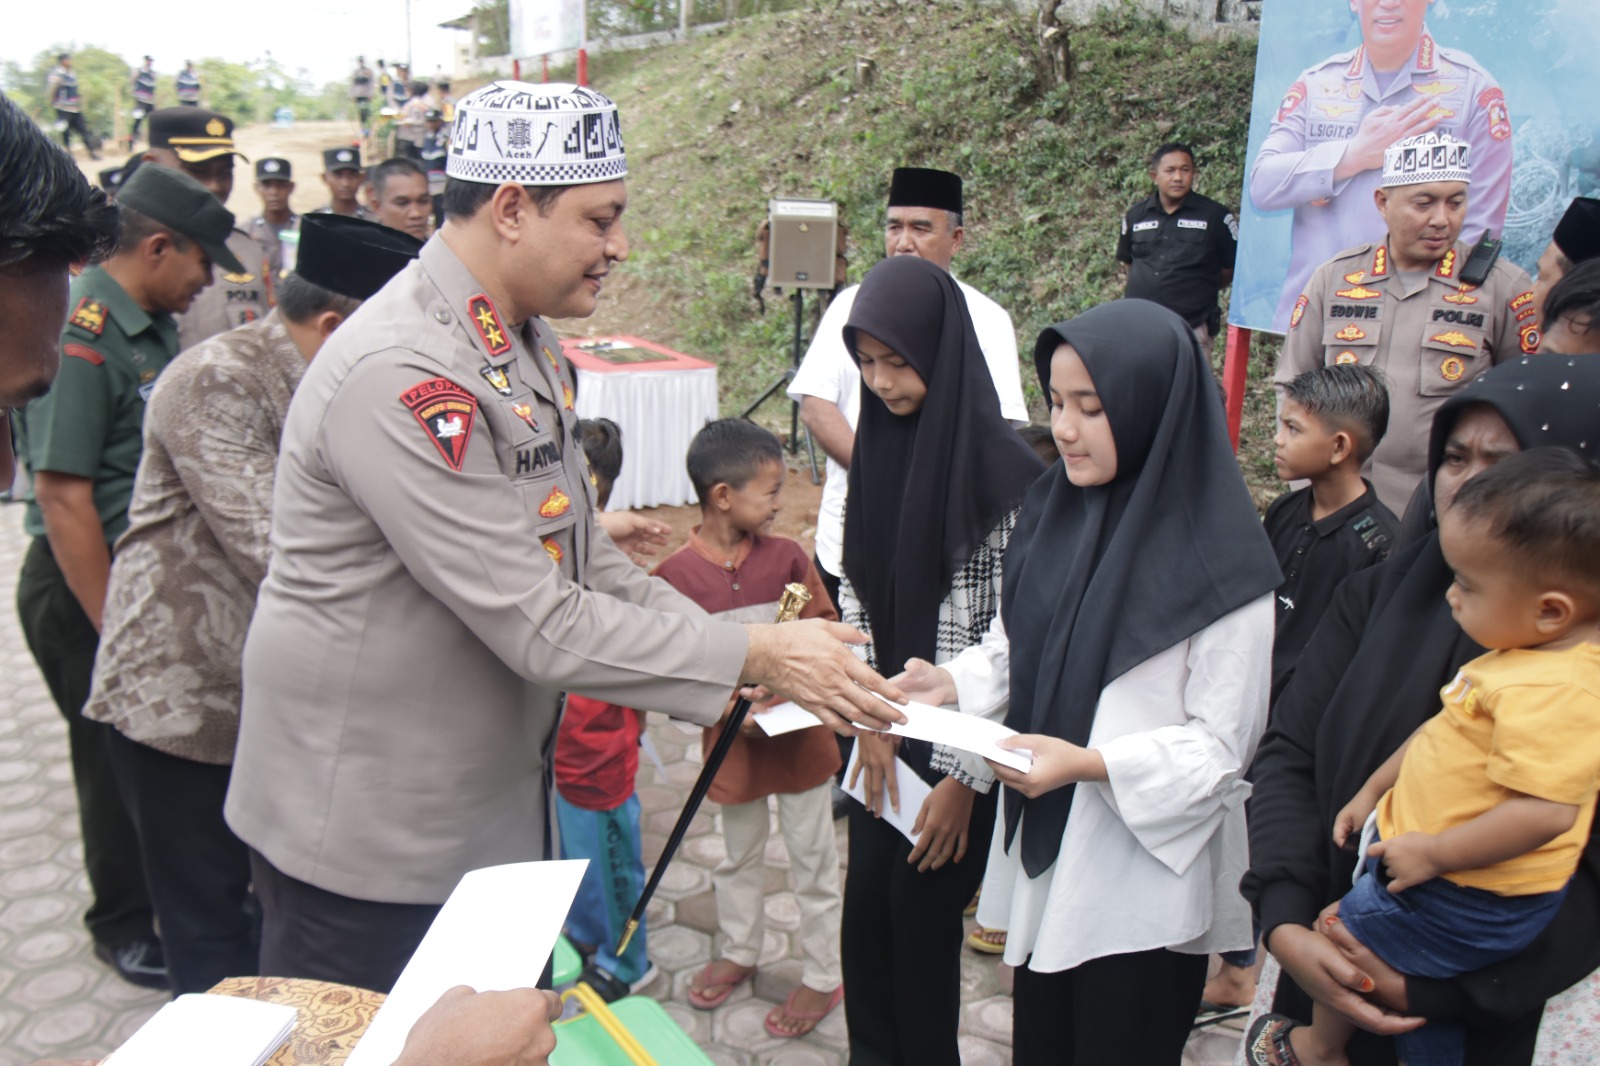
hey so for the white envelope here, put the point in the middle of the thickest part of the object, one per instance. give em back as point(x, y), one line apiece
point(784, 718)
point(913, 791)
point(956, 730)
point(494, 933)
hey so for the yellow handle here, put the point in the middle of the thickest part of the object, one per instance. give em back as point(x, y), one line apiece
point(592, 1004)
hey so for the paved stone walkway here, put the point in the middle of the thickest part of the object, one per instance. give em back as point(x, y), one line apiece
point(57, 1000)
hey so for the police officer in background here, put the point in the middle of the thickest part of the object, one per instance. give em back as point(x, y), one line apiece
point(200, 143)
point(274, 184)
point(144, 97)
point(1406, 306)
point(81, 444)
point(361, 93)
point(188, 85)
point(342, 174)
point(1576, 240)
point(437, 578)
point(1323, 155)
point(62, 88)
point(1177, 246)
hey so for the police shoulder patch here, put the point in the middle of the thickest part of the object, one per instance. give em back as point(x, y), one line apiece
point(446, 412)
point(1529, 338)
point(89, 315)
point(1299, 310)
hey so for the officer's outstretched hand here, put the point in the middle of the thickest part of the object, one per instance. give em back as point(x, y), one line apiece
point(467, 1028)
point(809, 662)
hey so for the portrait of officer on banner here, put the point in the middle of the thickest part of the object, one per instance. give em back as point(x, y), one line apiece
point(1323, 155)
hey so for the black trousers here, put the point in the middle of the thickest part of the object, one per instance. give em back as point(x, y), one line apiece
point(1133, 1010)
point(198, 871)
point(308, 931)
point(63, 643)
point(74, 124)
point(902, 933)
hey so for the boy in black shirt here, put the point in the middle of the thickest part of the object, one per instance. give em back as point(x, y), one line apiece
point(1332, 419)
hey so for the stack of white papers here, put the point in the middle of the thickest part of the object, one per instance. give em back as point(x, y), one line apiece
point(923, 722)
point(205, 1030)
point(494, 933)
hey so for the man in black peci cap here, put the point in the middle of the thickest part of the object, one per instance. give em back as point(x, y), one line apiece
point(274, 184)
point(342, 174)
point(167, 680)
point(1575, 240)
point(200, 143)
point(81, 444)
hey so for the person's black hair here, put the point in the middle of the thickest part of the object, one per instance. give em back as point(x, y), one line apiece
point(300, 300)
point(387, 169)
point(1543, 506)
point(138, 226)
point(601, 439)
point(1041, 440)
point(462, 199)
point(1347, 396)
point(730, 451)
point(1576, 296)
point(50, 216)
point(63, 57)
point(1167, 149)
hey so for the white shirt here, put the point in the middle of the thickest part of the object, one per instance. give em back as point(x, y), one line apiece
point(1151, 858)
point(829, 373)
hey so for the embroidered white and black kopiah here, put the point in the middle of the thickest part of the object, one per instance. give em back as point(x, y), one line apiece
point(546, 134)
point(1427, 158)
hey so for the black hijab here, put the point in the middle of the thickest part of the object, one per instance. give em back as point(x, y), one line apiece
point(1097, 580)
point(926, 489)
point(1411, 645)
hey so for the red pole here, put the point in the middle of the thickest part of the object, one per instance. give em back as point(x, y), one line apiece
point(1235, 370)
point(583, 66)
point(545, 61)
point(516, 70)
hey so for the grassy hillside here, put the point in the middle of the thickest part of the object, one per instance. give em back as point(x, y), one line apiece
point(772, 106)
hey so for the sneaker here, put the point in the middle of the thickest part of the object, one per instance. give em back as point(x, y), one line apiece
point(139, 962)
point(611, 988)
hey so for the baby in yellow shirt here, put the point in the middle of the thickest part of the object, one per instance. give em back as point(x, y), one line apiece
point(1482, 814)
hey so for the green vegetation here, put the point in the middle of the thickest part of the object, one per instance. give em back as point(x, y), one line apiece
point(779, 105)
point(245, 92)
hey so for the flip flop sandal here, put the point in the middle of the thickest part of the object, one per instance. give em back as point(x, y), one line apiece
point(700, 1001)
point(1267, 1043)
point(788, 1011)
point(979, 941)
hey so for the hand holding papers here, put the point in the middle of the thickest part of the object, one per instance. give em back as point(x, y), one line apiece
point(912, 790)
point(495, 932)
point(783, 718)
point(963, 731)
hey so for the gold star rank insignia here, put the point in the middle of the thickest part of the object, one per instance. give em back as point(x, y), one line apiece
point(487, 321)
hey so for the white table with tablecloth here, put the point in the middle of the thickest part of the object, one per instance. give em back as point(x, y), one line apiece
point(660, 398)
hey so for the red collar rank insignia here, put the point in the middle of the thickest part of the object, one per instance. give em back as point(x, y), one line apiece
point(487, 320)
point(446, 412)
point(90, 315)
point(524, 411)
point(496, 377)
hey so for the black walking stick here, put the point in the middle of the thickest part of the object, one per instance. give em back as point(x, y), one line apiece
point(794, 599)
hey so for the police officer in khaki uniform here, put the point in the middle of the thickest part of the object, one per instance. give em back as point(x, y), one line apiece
point(200, 143)
point(437, 578)
point(81, 444)
point(342, 174)
point(1403, 307)
point(277, 221)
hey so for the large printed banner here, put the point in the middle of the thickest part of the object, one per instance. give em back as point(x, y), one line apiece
point(540, 27)
point(1337, 81)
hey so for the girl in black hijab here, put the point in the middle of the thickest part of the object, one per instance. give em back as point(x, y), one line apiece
point(1369, 677)
point(935, 479)
point(1137, 632)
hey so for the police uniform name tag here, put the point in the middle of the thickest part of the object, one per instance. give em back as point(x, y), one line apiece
point(1192, 223)
point(1140, 227)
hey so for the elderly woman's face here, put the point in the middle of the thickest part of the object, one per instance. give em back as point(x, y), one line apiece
point(1479, 439)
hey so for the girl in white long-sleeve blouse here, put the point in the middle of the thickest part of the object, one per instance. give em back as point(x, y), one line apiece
point(1133, 652)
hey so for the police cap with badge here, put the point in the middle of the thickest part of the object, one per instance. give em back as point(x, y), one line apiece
point(274, 168)
point(194, 133)
point(186, 207)
point(337, 159)
point(351, 256)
